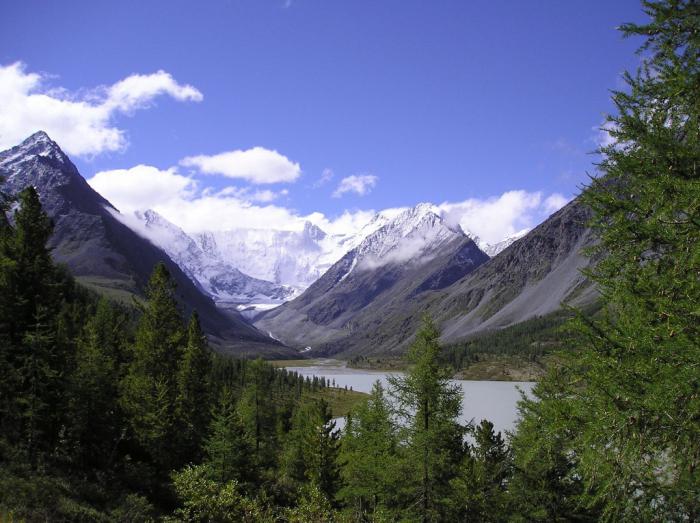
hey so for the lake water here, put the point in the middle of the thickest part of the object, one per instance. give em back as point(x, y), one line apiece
point(492, 400)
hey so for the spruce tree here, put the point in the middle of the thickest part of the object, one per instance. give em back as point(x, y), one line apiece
point(149, 389)
point(628, 412)
point(481, 486)
point(193, 391)
point(35, 365)
point(228, 449)
point(428, 406)
point(94, 413)
point(257, 410)
point(368, 456)
point(310, 453)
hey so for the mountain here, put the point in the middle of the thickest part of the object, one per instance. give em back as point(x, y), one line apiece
point(225, 284)
point(350, 311)
point(105, 254)
point(492, 249)
point(411, 254)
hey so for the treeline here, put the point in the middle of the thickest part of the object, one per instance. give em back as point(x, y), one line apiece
point(529, 340)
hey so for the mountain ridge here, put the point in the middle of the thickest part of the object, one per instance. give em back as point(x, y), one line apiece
point(103, 252)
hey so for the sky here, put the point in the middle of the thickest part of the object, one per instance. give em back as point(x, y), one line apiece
point(267, 113)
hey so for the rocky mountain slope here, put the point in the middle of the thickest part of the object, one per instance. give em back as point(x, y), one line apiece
point(411, 254)
point(104, 253)
point(531, 277)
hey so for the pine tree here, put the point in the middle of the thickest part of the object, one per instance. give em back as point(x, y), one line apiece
point(257, 410)
point(428, 406)
point(368, 455)
point(94, 413)
point(229, 451)
point(481, 487)
point(149, 389)
point(633, 395)
point(35, 365)
point(193, 390)
point(310, 454)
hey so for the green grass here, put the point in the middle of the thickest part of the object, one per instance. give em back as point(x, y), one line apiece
point(340, 401)
point(119, 291)
point(293, 363)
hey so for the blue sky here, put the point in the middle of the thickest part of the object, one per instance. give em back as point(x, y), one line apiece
point(418, 101)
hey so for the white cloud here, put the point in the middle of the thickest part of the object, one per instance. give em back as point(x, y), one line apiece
point(326, 176)
point(496, 218)
point(180, 200)
point(257, 165)
point(83, 124)
point(138, 91)
point(358, 183)
point(554, 202)
point(143, 187)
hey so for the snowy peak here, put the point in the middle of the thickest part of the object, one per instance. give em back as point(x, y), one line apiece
point(37, 145)
point(37, 161)
point(313, 232)
point(228, 286)
point(492, 249)
point(412, 236)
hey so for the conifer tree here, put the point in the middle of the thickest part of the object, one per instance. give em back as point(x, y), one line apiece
point(95, 417)
point(368, 456)
point(632, 410)
point(149, 389)
point(310, 454)
point(193, 394)
point(481, 486)
point(228, 450)
point(428, 406)
point(257, 410)
point(30, 305)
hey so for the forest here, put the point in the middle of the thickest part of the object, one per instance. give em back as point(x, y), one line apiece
point(122, 413)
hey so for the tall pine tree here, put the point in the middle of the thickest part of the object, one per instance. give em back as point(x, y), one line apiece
point(632, 401)
point(428, 406)
point(149, 389)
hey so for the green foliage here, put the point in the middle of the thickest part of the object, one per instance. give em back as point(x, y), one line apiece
point(427, 406)
point(204, 500)
point(149, 389)
point(310, 452)
point(546, 484)
point(229, 450)
point(368, 454)
point(625, 414)
point(193, 390)
point(480, 489)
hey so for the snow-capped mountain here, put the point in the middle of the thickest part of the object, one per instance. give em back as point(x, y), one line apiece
point(414, 236)
point(294, 259)
point(492, 249)
point(225, 283)
point(408, 255)
point(104, 253)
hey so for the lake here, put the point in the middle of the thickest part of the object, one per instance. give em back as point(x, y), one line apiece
point(492, 400)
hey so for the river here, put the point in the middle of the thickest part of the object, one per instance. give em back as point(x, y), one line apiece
point(492, 400)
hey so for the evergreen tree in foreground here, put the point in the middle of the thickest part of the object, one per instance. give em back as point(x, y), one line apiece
point(628, 413)
point(193, 390)
point(368, 455)
point(150, 385)
point(428, 406)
